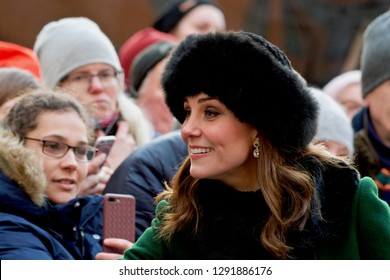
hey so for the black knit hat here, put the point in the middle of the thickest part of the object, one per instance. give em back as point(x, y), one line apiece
point(175, 11)
point(252, 77)
point(145, 61)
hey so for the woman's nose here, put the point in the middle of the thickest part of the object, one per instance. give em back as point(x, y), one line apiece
point(95, 84)
point(69, 159)
point(190, 127)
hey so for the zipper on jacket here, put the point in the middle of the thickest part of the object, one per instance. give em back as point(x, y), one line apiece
point(82, 241)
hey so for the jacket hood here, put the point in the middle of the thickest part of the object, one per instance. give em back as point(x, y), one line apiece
point(22, 165)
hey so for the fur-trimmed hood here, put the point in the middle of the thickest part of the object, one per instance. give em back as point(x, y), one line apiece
point(30, 222)
point(22, 165)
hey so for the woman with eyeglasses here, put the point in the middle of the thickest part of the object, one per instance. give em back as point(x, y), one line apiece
point(77, 58)
point(44, 155)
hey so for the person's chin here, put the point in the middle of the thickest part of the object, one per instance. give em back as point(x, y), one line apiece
point(101, 110)
point(104, 114)
point(199, 173)
point(63, 198)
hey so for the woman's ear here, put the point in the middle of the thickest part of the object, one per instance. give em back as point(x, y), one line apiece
point(255, 134)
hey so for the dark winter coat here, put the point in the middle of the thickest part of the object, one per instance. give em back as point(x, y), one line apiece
point(30, 226)
point(143, 172)
point(367, 158)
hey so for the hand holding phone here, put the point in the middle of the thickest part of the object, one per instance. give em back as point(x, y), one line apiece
point(105, 143)
point(118, 218)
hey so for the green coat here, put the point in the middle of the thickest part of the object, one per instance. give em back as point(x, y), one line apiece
point(367, 235)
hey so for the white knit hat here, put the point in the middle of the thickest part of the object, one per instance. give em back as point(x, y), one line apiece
point(339, 83)
point(69, 43)
point(333, 123)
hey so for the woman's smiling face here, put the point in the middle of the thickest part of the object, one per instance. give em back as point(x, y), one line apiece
point(220, 146)
point(64, 175)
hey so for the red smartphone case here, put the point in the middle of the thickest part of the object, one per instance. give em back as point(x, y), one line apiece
point(118, 218)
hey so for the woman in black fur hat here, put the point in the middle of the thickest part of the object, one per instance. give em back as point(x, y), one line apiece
point(253, 187)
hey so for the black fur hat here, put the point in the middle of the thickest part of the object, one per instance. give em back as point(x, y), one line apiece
point(175, 10)
point(252, 77)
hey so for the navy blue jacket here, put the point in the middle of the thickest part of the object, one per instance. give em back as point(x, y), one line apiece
point(143, 172)
point(33, 228)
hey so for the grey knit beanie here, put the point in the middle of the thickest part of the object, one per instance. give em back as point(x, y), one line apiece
point(333, 122)
point(69, 43)
point(375, 58)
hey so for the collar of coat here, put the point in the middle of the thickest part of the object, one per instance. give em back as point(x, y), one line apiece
point(228, 213)
point(22, 165)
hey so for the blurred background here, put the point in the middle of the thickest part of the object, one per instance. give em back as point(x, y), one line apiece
point(322, 38)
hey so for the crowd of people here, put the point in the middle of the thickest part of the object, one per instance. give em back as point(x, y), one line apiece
point(228, 151)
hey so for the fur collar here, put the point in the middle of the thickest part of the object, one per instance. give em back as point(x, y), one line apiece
point(232, 220)
point(336, 186)
point(22, 165)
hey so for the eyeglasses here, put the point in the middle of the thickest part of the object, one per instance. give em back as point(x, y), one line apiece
point(58, 150)
point(83, 79)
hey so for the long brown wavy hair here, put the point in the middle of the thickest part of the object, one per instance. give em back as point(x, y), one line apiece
point(287, 187)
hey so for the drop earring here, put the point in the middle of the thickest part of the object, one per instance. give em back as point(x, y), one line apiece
point(256, 151)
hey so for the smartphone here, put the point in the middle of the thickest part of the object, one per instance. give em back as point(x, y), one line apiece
point(113, 126)
point(104, 143)
point(118, 218)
